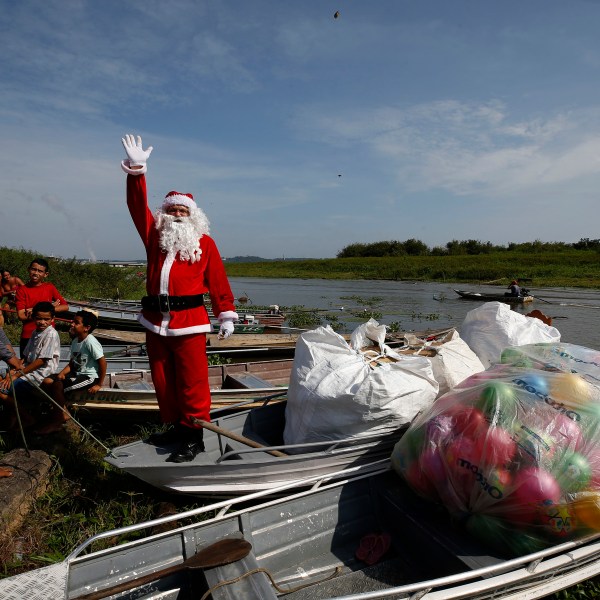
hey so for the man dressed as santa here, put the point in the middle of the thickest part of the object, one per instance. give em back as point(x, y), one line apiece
point(183, 265)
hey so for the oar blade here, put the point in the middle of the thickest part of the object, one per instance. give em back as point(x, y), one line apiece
point(220, 553)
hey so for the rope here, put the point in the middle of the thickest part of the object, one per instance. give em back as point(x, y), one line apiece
point(64, 410)
point(281, 590)
point(14, 395)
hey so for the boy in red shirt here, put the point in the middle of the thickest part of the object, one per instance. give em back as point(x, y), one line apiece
point(37, 289)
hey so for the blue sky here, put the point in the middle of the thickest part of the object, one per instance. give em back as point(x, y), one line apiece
point(296, 132)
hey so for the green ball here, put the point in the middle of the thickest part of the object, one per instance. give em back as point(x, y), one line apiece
point(499, 402)
point(572, 471)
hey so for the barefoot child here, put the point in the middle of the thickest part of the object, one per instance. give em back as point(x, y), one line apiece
point(86, 369)
point(41, 358)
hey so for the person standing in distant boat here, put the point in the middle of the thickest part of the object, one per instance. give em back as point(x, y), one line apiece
point(514, 289)
point(183, 265)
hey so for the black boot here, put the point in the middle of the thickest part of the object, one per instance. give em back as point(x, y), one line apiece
point(171, 435)
point(190, 447)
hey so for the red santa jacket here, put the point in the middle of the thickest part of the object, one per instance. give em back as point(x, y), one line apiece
point(167, 274)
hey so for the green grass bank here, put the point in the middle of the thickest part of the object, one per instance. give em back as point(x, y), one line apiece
point(566, 268)
point(569, 268)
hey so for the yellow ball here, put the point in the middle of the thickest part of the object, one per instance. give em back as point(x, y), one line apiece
point(587, 509)
point(571, 389)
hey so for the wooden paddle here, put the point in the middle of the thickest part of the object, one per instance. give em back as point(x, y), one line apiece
point(235, 436)
point(220, 553)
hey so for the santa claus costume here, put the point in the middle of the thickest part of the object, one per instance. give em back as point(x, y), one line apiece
point(173, 313)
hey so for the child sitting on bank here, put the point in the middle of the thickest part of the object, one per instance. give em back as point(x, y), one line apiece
point(86, 369)
point(41, 358)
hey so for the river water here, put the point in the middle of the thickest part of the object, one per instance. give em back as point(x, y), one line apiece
point(418, 306)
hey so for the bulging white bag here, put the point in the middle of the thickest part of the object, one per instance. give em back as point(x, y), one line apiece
point(493, 326)
point(453, 362)
point(337, 392)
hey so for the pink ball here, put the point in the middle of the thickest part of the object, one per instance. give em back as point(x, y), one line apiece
point(469, 421)
point(534, 489)
point(497, 448)
point(419, 482)
point(566, 432)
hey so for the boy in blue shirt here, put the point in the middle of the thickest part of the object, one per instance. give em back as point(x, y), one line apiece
point(86, 369)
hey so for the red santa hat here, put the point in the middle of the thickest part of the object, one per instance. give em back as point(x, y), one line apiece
point(178, 198)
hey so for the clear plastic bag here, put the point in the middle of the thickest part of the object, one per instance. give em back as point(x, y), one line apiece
point(513, 453)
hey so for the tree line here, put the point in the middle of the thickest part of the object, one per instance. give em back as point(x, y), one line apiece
point(413, 247)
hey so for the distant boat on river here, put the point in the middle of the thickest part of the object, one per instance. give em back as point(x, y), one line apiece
point(490, 297)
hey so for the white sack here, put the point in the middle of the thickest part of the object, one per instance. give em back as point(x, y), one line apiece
point(453, 362)
point(334, 393)
point(493, 326)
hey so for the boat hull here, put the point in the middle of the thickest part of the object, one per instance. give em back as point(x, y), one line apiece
point(229, 467)
point(484, 297)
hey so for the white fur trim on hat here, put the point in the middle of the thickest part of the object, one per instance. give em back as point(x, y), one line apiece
point(180, 199)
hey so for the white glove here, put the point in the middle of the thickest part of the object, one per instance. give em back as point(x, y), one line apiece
point(226, 329)
point(136, 154)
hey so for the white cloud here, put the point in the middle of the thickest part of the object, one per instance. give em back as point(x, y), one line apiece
point(466, 148)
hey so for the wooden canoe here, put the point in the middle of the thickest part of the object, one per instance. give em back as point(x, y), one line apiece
point(133, 391)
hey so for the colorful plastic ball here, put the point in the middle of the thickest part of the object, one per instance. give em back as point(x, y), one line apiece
point(533, 487)
point(587, 509)
point(516, 358)
point(566, 432)
point(509, 355)
point(500, 534)
point(499, 402)
point(419, 482)
point(559, 520)
point(467, 420)
point(538, 382)
point(572, 471)
point(571, 389)
point(497, 447)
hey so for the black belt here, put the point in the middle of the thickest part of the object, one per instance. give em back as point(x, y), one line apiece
point(166, 303)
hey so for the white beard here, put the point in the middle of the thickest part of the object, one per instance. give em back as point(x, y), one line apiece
point(181, 235)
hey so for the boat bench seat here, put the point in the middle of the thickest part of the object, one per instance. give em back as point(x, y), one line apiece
point(252, 587)
point(245, 381)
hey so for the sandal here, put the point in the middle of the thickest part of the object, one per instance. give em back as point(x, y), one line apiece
point(373, 546)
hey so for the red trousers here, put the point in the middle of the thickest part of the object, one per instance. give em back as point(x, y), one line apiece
point(180, 375)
